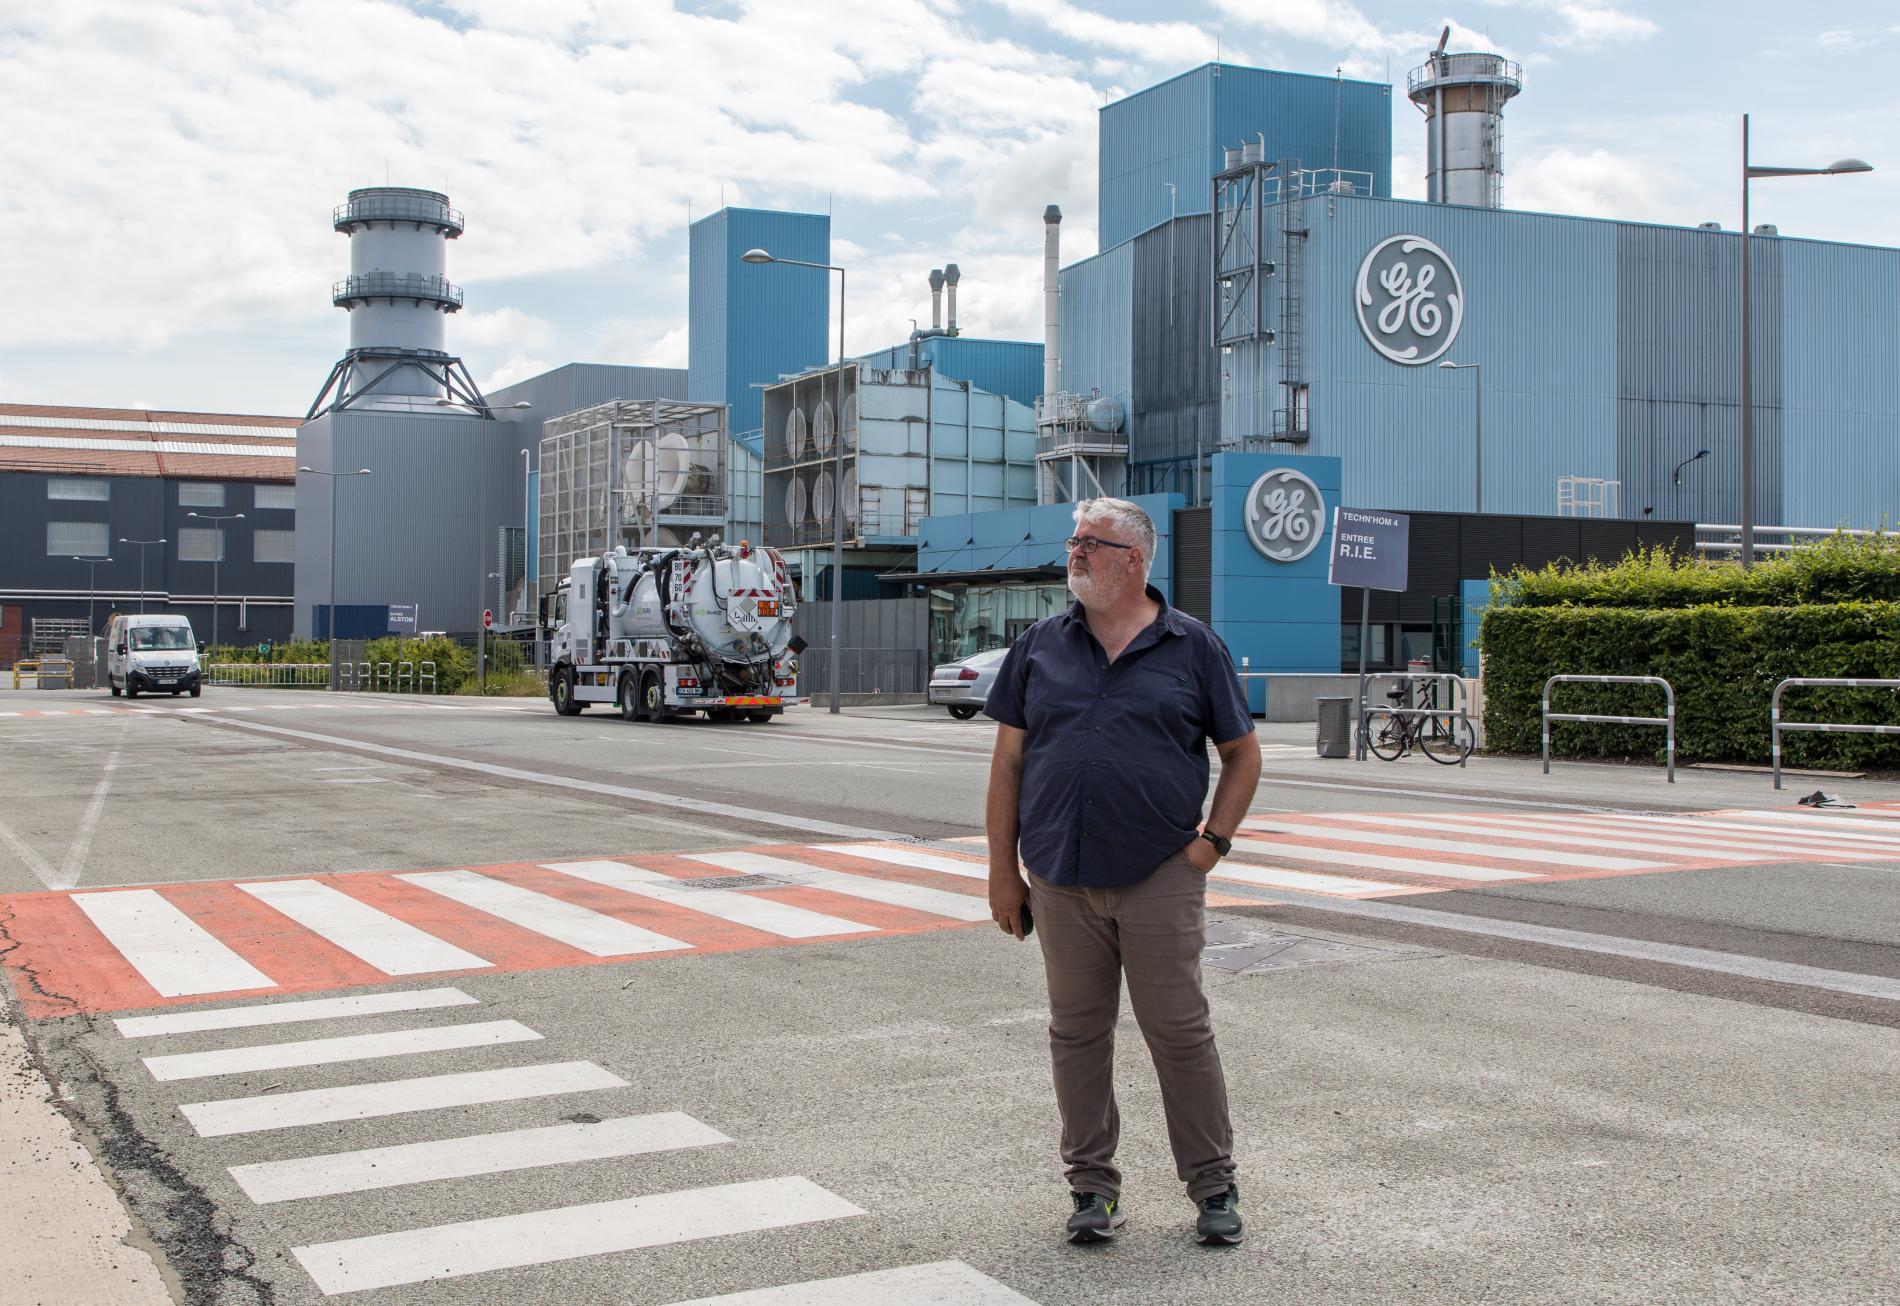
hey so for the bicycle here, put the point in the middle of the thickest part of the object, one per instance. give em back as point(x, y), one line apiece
point(1443, 736)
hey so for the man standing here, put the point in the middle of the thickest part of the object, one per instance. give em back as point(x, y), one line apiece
point(1100, 770)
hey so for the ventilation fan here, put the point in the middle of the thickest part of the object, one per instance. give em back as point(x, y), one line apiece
point(653, 480)
point(821, 498)
point(796, 434)
point(795, 501)
point(850, 486)
point(821, 426)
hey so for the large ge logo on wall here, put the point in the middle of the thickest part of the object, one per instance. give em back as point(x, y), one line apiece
point(1285, 515)
point(1409, 299)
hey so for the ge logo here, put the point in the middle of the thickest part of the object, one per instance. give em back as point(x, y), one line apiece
point(1409, 299)
point(1285, 515)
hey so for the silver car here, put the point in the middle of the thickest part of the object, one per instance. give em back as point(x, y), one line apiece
point(963, 686)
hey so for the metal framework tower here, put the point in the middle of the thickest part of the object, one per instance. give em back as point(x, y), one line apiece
point(398, 299)
point(1462, 97)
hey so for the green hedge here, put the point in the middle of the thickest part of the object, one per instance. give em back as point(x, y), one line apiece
point(1722, 637)
point(1723, 663)
point(509, 672)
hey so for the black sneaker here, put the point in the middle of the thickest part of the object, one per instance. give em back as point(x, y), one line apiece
point(1219, 1222)
point(1096, 1218)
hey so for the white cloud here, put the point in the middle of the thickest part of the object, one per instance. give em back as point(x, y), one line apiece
point(1588, 23)
point(1593, 183)
point(518, 367)
point(508, 328)
point(1154, 42)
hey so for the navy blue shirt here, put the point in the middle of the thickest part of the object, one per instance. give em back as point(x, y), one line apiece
point(1115, 760)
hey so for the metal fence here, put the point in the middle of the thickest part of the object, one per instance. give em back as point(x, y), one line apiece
point(270, 675)
point(1667, 722)
point(1776, 725)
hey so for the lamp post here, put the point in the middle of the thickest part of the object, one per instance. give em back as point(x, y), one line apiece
point(481, 526)
point(1749, 173)
point(1675, 477)
point(527, 523)
point(92, 588)
point(1477, 391)
point(217, 556)
point(142, 546)
point(331, 632)
point(837, 498)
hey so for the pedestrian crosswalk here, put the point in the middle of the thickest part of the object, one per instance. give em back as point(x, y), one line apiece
point(273, 1164)
point(126, 948)
point(118, 949)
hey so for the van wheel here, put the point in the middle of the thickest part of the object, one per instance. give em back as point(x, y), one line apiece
point(629, 697)
point(131, 690)
point(196, 690)
point(113, 686)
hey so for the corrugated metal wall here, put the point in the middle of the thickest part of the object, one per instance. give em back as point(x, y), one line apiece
point(1176, 371)
point(1002, 367)
point(748, 323)
point(1194, 562)
point(1174, 132)
point(1678, 373)
point(1098, 311)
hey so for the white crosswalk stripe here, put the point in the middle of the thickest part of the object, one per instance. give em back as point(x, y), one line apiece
point(781, 919)
point(1553, 857)
point(1274, 877)
point(1307, 851)
point(936, 902)
point(940, 1283)
point(290, 1012)
point(1849, 826)
point(332, 1051)
point(593, 1229)
point(1677, 841)
point(394, 947)
point(250, 1115)
point(592, 932)
point(1532, 832)
point(479, 1154)
point(175, 955)
point(909, 857)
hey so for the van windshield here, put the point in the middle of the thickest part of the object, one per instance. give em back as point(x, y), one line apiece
point(144, 637)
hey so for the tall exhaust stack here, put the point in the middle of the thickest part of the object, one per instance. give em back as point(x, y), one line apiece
point(936, 299)
point(399, 299)
point(950, 278)
point(1462, 97)
point(1051, 299)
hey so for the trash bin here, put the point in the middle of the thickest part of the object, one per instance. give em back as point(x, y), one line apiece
point(1333, 736)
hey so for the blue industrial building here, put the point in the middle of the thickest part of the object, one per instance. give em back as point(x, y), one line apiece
point(1486, 369)
point(1159, 146)
point(1012, 368)
point(748, 325)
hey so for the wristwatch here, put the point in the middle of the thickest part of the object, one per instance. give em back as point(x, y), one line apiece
point(1221, 846)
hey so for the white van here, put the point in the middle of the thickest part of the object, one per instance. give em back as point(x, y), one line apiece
point(156, 653)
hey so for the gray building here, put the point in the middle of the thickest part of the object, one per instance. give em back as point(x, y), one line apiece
point(192, 513)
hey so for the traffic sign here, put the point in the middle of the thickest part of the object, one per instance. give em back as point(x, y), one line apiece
point(488, 619)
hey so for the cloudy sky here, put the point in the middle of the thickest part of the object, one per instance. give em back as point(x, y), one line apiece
point(169, 166)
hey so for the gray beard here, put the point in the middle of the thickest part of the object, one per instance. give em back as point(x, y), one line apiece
point(1091, 590)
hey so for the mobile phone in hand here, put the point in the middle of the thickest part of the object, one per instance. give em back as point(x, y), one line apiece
point(1028, 922)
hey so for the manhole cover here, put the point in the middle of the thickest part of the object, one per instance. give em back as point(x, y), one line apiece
point(735, 882)
point(1247, 952)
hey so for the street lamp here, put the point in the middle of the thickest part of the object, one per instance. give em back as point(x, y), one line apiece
point(1477, 390)
point(217, 556)
point(837, 498)
point(1675, 477)
point(331, 632)
point(92, 588)
point(142, 546)
point(1749, 173)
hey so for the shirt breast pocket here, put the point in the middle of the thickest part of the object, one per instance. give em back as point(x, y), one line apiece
point(1170, 689)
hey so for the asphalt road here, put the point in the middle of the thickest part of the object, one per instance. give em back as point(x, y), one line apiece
point(1490, 1035)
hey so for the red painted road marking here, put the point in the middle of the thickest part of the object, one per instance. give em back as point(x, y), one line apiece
point(62, 964)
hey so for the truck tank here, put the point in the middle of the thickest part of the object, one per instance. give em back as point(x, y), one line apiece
point(727, 604)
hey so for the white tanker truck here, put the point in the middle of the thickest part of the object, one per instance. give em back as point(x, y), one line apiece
point(662, 632)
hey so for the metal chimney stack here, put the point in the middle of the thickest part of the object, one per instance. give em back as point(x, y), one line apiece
point(398, 298)
point(1462, 97)
point(936, 299)
point(1051, 299)
point(950, 278)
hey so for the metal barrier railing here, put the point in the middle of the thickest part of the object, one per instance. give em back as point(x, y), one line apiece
point(425, 671)
point(1668, 722)
point(405, 676)
point(1776, 725)
point(270, 675)
point(26, 667)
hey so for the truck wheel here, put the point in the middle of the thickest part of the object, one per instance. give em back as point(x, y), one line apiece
point(962, 711)
point(653, 697)
point(561, 690)
point(760, 718)
point(628, 696)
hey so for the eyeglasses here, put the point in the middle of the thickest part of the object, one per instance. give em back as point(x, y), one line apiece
point(1088, 544)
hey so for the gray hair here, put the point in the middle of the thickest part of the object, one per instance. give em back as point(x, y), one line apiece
point(1125, 517)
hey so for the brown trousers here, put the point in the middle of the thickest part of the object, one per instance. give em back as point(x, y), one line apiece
point(1153, 933)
